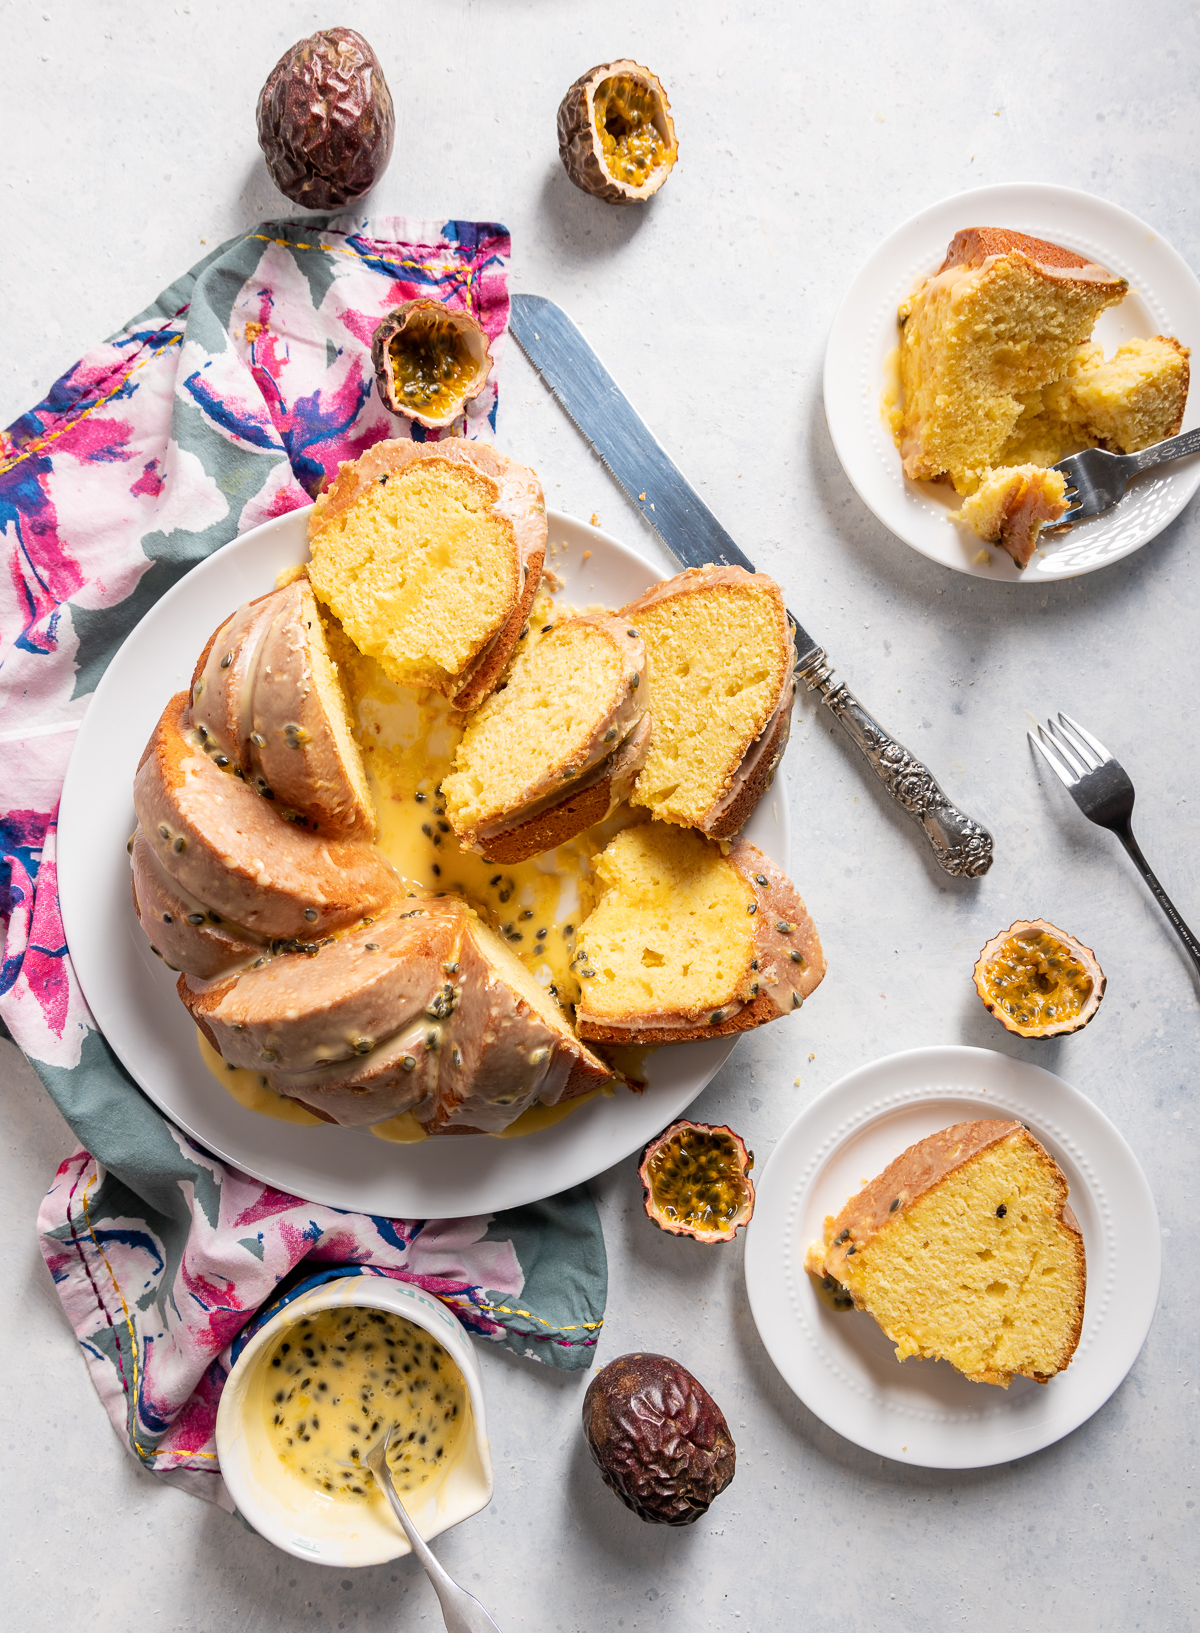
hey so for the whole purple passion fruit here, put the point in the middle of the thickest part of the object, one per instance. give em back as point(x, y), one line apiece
point(658, 1438)
point(325, 120)
point(696, 1182)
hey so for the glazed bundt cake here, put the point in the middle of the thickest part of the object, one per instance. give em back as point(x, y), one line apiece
point(721, 689)
point(557, 748)
point(430, 556)
point(686, 942)
point(218, 874)
point(964, 1250)
point(420, 1009)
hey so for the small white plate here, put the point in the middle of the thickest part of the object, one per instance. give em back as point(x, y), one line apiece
point(1164, 298)
point(132, 996)
point(841, 1365)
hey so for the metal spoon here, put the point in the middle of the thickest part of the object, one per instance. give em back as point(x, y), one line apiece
point(461, 1611)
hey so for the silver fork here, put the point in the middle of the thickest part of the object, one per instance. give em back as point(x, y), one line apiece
point(1096, 479)
point(461, 1611)
point(1102, 789)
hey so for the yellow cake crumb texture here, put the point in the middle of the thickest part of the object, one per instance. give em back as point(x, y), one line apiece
point(541, 721)
point(714, 681)
point(981, 1268)
point(672, 930)
point(420, 570)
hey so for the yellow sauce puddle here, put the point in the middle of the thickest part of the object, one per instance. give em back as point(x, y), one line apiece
point(250, 1089)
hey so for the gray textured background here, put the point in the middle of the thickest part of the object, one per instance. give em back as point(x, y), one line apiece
point(808, 132)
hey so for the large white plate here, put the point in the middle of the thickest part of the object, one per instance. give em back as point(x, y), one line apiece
point(132, 995)
point(841, 1365)
point(1164, 298)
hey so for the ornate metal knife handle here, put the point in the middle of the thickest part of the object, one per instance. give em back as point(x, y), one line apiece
point(960, 844)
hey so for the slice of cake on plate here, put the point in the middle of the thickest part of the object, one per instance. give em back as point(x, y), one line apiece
point(964, 1249)
point(721, 688)
point(687, 942)
point(430, 556)
point(558, 745)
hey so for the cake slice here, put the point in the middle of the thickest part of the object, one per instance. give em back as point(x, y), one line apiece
point(430, 555)
point(1127, 401)
point(687, 942)
point(721, 688)
point(557, 747)
point(268, 706)
point(1003, 316)
point(421, 1008)
point(1011, 506)
point(964, 1249)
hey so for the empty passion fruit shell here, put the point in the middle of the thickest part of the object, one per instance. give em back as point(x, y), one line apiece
point(616, 137)
point(429, 362)
point(1038, 981)
point(696, 1180)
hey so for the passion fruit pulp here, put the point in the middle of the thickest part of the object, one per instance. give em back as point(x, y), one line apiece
point(616, 137)
point(696, 1182)
point(430, 361)
point(1038, 981)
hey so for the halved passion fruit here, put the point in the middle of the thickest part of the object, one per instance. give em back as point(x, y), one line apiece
point(1037, 981)
point(616, 137)
point(429, 362)
point(696, 1180)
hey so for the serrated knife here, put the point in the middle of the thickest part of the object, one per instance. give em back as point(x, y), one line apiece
point(694, 536)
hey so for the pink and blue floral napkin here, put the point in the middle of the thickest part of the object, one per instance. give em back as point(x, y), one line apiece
point(225, 403)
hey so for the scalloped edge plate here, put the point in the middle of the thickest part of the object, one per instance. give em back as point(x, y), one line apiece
point(841, 1365)
point(1164, 298)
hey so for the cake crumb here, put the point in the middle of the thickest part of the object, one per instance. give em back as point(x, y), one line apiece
point(812, 1057)
point(595, 519)
point(981, 558)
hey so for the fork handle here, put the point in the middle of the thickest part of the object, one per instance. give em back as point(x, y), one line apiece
point(963, 847)
point(1188, 442)
point(1125, 835)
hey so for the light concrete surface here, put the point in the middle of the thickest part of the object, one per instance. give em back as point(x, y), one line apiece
point(808, 132)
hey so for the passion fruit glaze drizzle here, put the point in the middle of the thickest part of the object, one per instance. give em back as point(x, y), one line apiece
point(1036, 979)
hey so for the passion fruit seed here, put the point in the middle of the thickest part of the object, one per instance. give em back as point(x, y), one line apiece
point(1038, 981)
point(696, 1180)
point(429, 361)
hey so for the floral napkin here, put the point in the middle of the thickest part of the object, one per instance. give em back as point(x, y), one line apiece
point(226, 403)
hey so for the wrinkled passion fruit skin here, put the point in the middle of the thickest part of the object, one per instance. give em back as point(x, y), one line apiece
point(696, 1181)
point(658, 1438)
point(582, 146)
point(326, 121)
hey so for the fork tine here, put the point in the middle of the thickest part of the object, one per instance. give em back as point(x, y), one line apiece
point(1093, 742)
point(1084, 750)
point(1064, 777)
point(1078, 766)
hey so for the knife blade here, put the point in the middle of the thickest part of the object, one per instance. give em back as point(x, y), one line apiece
point(591, 398)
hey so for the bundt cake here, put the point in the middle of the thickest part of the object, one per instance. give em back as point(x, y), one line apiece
point(721, 688)
point(1011, 506)
point(964, 1250)
point(430, 556)
point(1003, 316)
point(267, 705)
point(557, 747)
point(686, 942)
point(218, 874)
point(420, 1009)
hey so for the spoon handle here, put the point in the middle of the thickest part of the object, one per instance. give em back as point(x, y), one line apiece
point(461, 1611)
